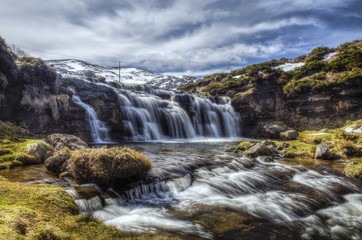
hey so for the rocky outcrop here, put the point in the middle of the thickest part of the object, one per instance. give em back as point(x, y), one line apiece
point(58, 162)
point(33, 95)
point(62, 141)
point(304, 109)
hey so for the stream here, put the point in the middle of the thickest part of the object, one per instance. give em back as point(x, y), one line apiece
point(196, 190)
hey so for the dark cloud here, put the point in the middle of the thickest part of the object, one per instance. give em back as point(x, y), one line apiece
point(180, 36)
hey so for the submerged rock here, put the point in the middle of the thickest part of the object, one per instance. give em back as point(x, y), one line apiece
point(62, 141)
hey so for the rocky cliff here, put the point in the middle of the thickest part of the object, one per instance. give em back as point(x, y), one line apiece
point(323, 89)
point(34, 96)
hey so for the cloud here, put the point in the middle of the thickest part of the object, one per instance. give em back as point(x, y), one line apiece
point(182, 36)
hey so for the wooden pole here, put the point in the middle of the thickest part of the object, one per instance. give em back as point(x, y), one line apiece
point(119, 71)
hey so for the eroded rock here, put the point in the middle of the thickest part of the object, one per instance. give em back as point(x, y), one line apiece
point(62, 141)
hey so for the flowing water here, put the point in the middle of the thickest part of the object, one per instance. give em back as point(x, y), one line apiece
point(196, 190)
point(150, 114)
point(98, 129)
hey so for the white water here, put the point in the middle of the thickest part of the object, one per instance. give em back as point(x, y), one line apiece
point(180, 116)
point(309, 203)
point(99, 130)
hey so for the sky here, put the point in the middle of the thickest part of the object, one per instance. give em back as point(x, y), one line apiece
point(192, 37)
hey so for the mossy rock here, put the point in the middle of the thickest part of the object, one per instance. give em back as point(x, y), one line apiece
point(40, 150)
point(108, 166)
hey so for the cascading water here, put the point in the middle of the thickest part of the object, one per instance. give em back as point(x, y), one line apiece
point(147, 116)
point(99, 130)
point(233, 197)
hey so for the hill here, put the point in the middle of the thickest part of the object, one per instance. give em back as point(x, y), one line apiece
point(80, 69)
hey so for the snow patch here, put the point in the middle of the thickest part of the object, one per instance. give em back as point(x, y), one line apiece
point(329, 56)
point(286, 67)
point(236, 77)
point(351, 129)
point(80, 69)
point(317, 134)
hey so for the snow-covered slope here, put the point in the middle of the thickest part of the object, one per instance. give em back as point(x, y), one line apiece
point(81, 69)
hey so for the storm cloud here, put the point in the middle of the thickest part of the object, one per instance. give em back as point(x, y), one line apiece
point(195, 37)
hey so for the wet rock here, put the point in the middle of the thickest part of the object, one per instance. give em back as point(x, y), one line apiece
point(40, 150)
point(62, 141)
point(289, 135)
point(58, 162)
point(266, 158)
point(264, 148)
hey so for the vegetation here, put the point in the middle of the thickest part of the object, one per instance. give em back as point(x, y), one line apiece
point(345, 145)
point(30, 211)
point(13, 145)
point(316, 74)
point(107, 166)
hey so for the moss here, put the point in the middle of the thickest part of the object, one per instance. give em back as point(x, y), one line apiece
point(354, 168)
point(243, 146)
point(48, 212)
point(15, 152)
point(107, 166)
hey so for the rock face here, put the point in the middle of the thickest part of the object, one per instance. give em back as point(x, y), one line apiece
point(304, 109)
point(32, 94)
point(62, 141)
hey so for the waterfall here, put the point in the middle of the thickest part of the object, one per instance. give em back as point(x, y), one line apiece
point(99, 130)
point(158, 115)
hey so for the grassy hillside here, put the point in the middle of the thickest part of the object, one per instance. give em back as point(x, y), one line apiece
point(316, 73)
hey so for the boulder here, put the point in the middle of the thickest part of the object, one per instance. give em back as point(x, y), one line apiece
point(289, 135)
point(40, 150)
point(264, 148)
point(58, 163)
point(108, 166)
point(62, 141)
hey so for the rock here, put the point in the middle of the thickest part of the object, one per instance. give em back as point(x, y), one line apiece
point(266, 158)
point(243, 146)
point(289, 135)
point(325, 151)
point(40, 150)
point(321, 151)
point(264, 148)
point(283, 146)
point(58, 162)
point(108, 166)
point(62, 141)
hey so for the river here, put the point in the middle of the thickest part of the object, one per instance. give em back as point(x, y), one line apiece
point(196, 190)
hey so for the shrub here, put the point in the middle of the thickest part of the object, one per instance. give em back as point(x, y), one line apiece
point(317, 54)
point(347, 60)
point(109, 166)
